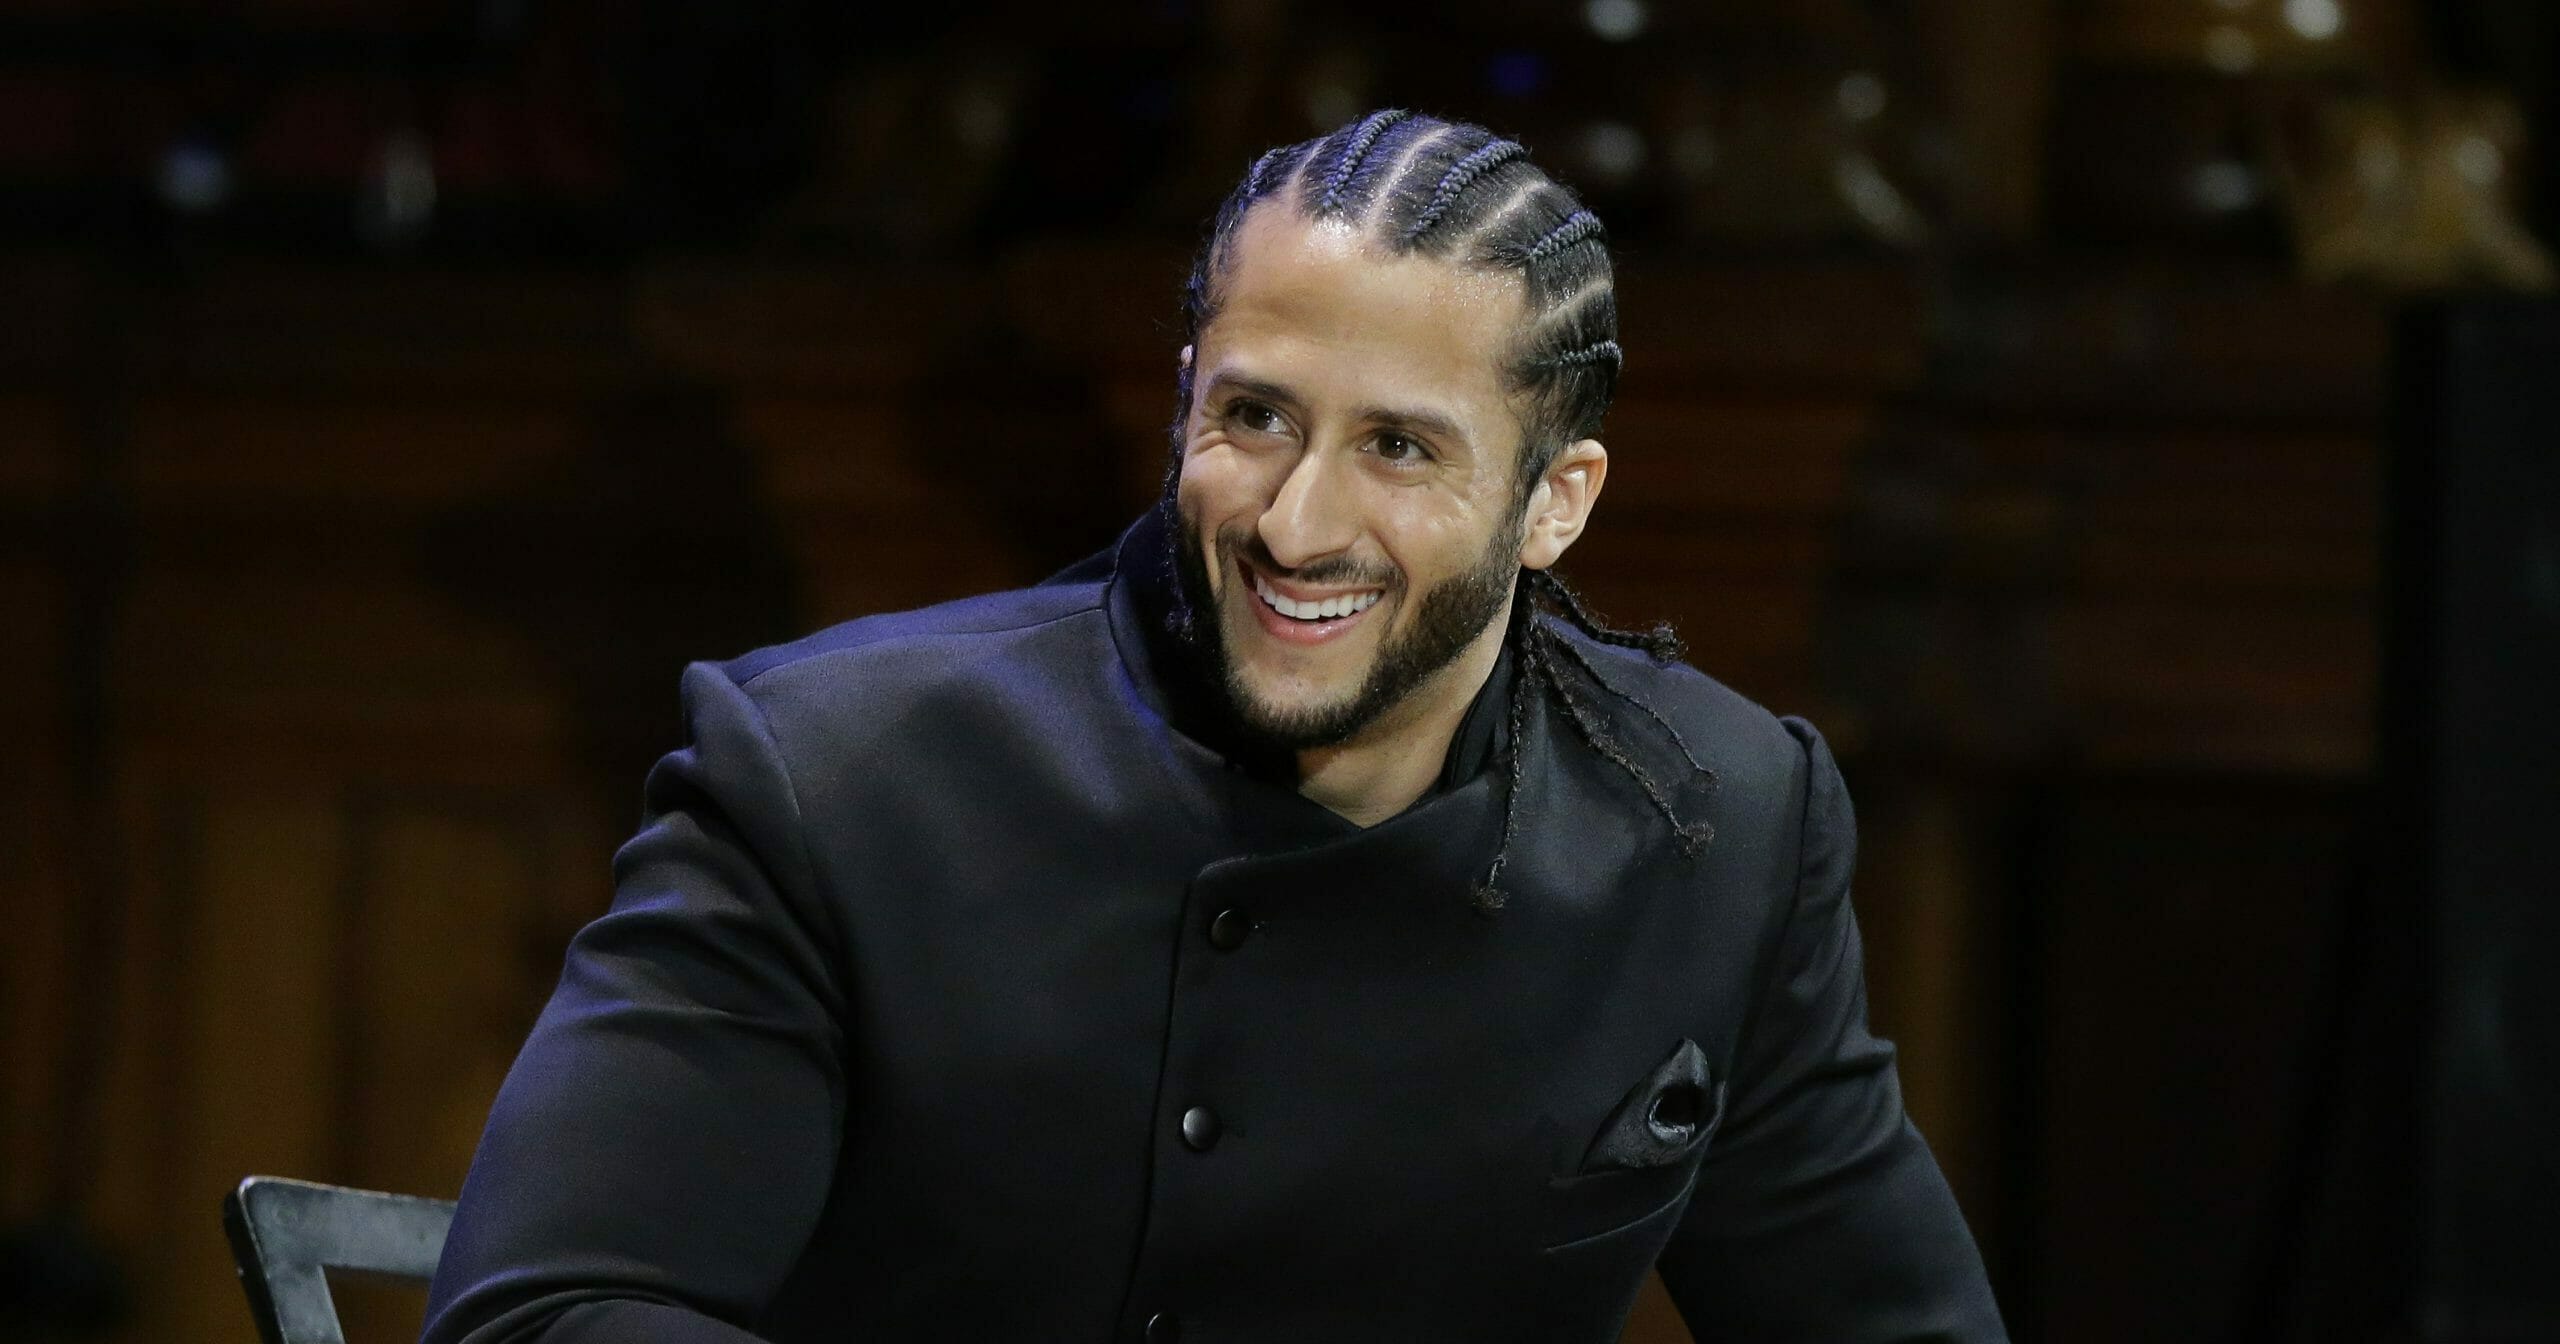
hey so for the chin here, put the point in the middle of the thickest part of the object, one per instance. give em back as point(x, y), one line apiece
point(1308, 718)
point(1298, 728)
point(1298, 721)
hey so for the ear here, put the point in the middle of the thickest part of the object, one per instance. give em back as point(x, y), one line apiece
point(1560, 507)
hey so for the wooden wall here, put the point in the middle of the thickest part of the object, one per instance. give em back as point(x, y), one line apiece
point(343, 608)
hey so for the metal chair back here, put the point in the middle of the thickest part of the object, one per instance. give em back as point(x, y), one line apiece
point(285, 1234)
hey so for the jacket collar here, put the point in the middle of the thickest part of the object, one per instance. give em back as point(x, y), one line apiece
point(1254, 790)
point(1451, 834)
point(1144, 602)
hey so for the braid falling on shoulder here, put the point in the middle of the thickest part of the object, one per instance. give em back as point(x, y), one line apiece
point(1551, 665)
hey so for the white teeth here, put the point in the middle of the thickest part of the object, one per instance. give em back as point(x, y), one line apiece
point(1327, 609)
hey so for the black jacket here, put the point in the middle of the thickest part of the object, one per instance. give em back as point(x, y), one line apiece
point(951, 991)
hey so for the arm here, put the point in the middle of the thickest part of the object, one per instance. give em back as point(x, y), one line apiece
point(1819, 1215)
point(659, 1153)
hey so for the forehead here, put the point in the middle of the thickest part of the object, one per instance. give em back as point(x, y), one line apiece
point(1321, 298)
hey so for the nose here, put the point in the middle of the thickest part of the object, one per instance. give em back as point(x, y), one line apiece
point(1313, 515)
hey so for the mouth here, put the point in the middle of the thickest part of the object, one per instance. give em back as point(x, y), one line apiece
point(1307, 619)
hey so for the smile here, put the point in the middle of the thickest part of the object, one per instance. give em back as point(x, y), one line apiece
point(1331, 608)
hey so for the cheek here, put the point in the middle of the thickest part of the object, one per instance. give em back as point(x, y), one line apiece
point(1202, 483)
point(1220, 481)
point(1434, 540)
point(1206, 495)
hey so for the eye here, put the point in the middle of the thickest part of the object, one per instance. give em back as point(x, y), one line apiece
point(1255, 417)
point(1395, 447)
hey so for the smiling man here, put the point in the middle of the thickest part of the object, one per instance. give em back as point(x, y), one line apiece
point(1299, 922)
point(1353, 498)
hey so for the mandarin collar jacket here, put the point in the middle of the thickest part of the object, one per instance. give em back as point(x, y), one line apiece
point(959, 986)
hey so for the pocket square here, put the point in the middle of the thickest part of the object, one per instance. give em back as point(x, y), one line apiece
point(1663, 1118)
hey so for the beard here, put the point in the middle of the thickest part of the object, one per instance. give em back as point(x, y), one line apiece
point(1445, 619)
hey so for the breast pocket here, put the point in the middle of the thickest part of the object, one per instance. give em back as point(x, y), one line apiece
point(1638, 1168)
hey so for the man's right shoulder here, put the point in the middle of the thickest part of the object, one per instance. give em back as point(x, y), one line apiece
point(884, 650)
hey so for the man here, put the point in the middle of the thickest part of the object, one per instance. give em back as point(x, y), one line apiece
point(1300, 922)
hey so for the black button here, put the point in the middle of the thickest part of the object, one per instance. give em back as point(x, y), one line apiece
point(1227, 931)
point(1163, 1328)
point(1200, 1128)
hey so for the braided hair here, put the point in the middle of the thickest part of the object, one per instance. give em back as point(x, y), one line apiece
point(1460, 193)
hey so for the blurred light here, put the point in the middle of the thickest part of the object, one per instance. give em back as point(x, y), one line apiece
point(1614, 20)
point(1516, 74)
point(399, 190)
point(2224, 186)
point(1613, 150)
point(1861, 97)
point(2318, 20)
point(1330, 104)
point(2229, 49)
point(1876, 201)
point(2478, 160)
point(1694, 151)
point(194, 177)
point(2377, 160)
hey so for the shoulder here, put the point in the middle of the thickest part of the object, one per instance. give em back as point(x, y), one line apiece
point(913, 650)
point(1713, 719)
point(1761, 761)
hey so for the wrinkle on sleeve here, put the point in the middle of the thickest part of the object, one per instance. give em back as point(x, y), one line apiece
point(661, 1150)
point(1819, 1214)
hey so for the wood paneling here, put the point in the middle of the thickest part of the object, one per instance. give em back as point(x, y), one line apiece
point(260, 989)
point(378, 457)
point(35, 450)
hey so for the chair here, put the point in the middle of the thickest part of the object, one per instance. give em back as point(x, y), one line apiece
point(284, 1234)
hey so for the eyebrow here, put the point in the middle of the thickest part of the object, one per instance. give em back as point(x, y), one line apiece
point(1427, 422)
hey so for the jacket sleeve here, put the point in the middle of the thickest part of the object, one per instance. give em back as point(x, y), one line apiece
point(1819, 1214)
point(659, 1152)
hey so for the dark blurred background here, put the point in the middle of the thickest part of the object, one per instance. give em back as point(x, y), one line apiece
point(2126, 426)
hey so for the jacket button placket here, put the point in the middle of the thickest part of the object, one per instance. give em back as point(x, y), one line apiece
point(1197, 1124)
point(1200, 1126)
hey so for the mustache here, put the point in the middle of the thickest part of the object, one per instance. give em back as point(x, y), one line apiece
point(1237, 541)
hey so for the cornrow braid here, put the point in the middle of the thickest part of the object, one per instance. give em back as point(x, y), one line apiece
point(1585, 718)
point(1540, 665)
point(1660, 642)
point(1354, 150)
point(1495, 224)
point(1458, 178)
point(1594, 353)
point(1259, 180)
point(1543, 654)
point(1578, 228)
point(1487, 896)
point(1592, 670)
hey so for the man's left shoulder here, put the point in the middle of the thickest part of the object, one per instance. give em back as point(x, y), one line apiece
point(1743, 743)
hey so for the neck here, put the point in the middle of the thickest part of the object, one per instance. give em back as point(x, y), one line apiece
point(1396, 759)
